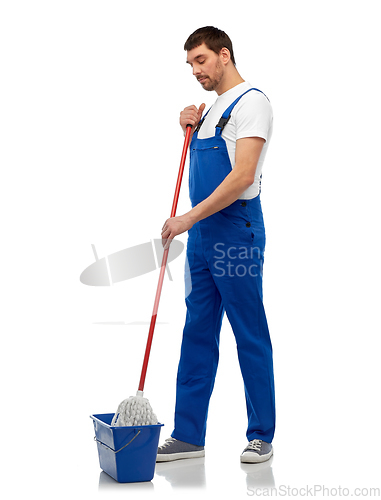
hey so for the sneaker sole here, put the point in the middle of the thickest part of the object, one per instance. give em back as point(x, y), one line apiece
point(170, 457)
point(249, 457)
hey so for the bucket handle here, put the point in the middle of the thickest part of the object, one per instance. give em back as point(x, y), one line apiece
point(108, 447)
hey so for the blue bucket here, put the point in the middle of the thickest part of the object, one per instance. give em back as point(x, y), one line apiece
point(127, 454)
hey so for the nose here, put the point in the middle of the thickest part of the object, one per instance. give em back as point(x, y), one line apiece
point(196, 69)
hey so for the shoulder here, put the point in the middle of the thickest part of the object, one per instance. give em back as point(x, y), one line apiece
point(252, 116)
point(253, 102)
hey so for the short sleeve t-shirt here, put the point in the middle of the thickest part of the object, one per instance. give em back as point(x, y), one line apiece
point(252, 116)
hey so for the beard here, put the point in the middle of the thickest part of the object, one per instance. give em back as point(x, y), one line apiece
point(211, 83)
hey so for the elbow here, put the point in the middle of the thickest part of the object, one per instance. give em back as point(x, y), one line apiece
point(248, 181)
point(243, 178)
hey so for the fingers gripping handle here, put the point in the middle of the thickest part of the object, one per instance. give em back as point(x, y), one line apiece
point(164, 261)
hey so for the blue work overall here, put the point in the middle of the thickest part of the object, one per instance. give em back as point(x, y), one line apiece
point(225, 253)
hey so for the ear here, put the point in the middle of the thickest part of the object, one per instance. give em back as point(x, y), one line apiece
point(225, 55)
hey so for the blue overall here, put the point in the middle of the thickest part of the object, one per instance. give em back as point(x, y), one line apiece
point(225, 253)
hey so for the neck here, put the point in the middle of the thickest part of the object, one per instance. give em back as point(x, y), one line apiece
point(230, 80)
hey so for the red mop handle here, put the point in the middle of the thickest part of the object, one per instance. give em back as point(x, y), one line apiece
point(164, 261)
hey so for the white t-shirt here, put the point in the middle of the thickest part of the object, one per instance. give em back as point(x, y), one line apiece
point(252, 116)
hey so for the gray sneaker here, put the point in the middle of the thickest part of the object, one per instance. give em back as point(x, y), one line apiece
point(257, 451)
point(173, 449)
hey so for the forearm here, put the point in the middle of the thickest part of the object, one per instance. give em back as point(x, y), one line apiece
point(224, 195)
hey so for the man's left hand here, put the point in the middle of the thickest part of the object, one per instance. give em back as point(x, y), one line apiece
point(174, 226)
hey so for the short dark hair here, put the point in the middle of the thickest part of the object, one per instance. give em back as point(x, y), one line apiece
point(213, 38)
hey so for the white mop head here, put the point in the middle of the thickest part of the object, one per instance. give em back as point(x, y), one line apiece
point(135, 410)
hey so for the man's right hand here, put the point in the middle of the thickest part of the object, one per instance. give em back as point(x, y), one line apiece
point(191, 115)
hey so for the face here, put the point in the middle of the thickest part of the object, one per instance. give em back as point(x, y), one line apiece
point(207, 67)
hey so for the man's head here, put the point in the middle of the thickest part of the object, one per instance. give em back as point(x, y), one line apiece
point(210, 53)
point(213, 38)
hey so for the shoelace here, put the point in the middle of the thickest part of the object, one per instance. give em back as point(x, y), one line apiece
point(167, 443)
point(255, 444)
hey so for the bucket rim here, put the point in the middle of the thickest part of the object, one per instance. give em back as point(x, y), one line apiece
point(96, 416)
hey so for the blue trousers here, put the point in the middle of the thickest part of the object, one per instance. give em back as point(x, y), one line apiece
point(225, 253)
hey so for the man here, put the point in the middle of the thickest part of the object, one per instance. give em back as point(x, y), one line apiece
point(225, 250)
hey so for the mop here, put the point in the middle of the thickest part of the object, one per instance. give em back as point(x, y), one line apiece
point(136, 410)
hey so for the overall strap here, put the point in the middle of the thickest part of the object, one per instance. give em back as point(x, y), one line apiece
point(227, 113)
point(201, 121)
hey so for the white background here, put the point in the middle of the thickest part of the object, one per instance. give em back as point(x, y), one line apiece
point(90, 146)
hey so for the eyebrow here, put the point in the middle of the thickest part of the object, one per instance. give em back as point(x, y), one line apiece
point(197, 57)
